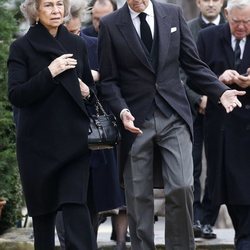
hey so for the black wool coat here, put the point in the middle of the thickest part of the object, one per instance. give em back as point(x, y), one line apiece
point(227, 136)
point(52, 125)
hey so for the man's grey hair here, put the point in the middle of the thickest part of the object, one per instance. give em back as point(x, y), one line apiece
point(240, 4)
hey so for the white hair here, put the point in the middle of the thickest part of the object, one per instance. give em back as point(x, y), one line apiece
point(240, 4)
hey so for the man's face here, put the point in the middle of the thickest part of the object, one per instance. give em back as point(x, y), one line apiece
point(210, 9)
point(74, 25)
point(138, 5)
point(99, 11)
point(239, 21)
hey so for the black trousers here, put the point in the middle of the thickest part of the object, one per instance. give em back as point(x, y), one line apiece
point(79, 234)
point(240, 216)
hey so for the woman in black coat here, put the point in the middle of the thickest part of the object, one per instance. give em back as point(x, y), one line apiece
point(49, 83)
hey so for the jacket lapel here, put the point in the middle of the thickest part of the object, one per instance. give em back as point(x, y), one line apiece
point(226, 43)
point(126, 27)
point(246, 55)
point(44, 43)
point(163, 20)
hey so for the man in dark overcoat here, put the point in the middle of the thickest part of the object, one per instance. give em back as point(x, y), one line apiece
point(227, 137)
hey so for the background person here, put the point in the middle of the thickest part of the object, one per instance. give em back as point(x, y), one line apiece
point(205, 213)
point(105, 192)
point(139, 60)
point(52, 125)
point(100, 8)
point(227, 137)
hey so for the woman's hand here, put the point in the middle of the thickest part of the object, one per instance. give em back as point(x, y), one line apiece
point(62, 63)
point(84, 88)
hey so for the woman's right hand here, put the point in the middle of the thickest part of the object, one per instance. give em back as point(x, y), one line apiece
point(62, 63)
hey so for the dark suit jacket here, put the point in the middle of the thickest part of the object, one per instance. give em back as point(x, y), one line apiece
point(52, 126)
point(195, 26)
point(89, 31)
point(227, 136)
point(129, 80)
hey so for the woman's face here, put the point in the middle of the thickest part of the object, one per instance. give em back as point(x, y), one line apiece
point(51, 14)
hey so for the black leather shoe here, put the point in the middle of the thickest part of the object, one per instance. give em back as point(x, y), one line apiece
point(197, 229)
point(207, 232)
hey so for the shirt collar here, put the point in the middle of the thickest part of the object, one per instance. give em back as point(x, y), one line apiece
point(149, 11)
point(233, 39)
point(216, 21)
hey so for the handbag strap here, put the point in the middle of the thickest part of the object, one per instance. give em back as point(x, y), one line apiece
point(98, 106)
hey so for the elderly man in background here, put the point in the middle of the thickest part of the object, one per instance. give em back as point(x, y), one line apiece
point(227, 137)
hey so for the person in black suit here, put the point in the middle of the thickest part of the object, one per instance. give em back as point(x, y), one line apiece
point(50, 82)
point(105, 192)
point(139, 60)
point(227, 137)
point(205, 214)
point(99, 9)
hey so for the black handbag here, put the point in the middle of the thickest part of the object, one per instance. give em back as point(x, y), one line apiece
point(103, 129)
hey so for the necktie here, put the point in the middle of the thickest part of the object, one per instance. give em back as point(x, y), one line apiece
point(237, 53)
point(146, 34)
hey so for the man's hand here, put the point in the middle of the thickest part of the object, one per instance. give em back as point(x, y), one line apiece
point(229, 99)
point(128, 122)
point(228, 76)
point(242, 81)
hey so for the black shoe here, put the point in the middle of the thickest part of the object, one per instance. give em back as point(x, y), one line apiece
point(197, 229)
point(207, 232)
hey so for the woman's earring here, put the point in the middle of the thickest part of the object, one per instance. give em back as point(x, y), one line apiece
point(37, 21)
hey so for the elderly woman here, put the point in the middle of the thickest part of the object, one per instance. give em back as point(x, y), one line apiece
point(49, 83)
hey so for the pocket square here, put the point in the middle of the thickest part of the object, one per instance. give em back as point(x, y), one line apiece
point(173, 29)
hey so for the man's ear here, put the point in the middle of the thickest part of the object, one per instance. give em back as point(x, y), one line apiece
point(198, 3)
point(226, 13)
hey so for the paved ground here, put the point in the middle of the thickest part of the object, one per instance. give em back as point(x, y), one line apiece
point(21, 239)
point(224, 236)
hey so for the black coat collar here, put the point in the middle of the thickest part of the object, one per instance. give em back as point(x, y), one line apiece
point(43, 42)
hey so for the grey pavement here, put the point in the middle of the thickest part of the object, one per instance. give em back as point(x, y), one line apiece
point(225, 237)
point(21, 239)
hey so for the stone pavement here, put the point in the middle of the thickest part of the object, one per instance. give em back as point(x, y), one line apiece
point(21, 239)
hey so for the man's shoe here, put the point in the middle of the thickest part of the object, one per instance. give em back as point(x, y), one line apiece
point(207, 232)
point(197, 229)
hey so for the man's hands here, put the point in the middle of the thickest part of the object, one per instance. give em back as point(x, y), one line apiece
point(62, 63)
point(231, 76)
point(128, 122)
point(229, 99)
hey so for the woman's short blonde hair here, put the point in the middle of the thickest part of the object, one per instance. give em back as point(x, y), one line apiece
point(29, 8)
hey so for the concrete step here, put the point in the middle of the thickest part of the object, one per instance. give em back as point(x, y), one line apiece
point(22, 239)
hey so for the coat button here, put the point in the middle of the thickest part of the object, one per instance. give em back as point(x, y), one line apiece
point(247, 106)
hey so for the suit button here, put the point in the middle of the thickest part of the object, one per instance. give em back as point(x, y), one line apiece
point(247, 106)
